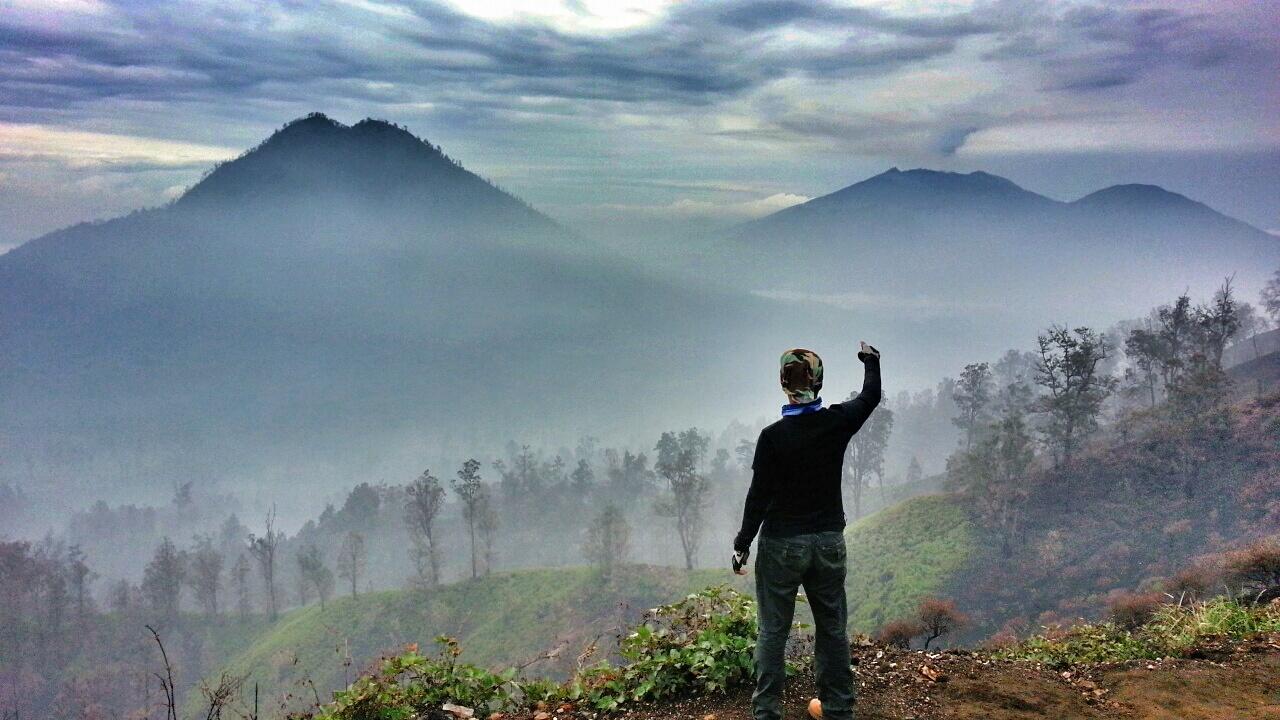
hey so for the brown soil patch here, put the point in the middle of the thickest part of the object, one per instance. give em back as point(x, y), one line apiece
point(1228, 682)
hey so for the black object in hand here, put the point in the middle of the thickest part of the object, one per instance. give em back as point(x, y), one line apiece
point(740, 560)
point(867, 351)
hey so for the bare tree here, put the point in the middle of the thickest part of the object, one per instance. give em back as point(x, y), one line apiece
point(263, 549)
point(679, 461)
point(426, 499)
point(468, 487)
point(351, 559)
point(166, 680)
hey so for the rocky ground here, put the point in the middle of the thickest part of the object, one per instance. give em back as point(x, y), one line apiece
point(1230, 681)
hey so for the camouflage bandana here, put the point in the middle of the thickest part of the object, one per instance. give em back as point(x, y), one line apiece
point(801, 375)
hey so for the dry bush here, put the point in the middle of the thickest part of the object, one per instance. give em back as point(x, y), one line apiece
point(939, 617)
point(1190, 584)
point(1255, 567)
point(899, 633)
point(1133, 610)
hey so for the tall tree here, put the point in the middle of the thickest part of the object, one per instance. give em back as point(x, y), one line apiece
point(679, 463)
point(1147, 352)
point(1075, 390)
point(915, 473)
point(240, 579)
point(583, 479)
point(314, 573)
point(80, 576)
point(162, 581)
point(487, 523)
point(608, 540)
point(469, 488)
point(263, 549)
point(351, 559)
point(972, 394)
point(992, 476)
point(206, 574)
point(425, 500)
point(1270, 298)
point(864, 455)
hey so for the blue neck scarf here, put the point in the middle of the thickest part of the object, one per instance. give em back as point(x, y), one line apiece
point(802, 408)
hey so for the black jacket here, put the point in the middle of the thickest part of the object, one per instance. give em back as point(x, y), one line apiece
point(799, 461)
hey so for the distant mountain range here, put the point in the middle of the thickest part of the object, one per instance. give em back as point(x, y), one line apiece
point(349, 302)
point(981, 238)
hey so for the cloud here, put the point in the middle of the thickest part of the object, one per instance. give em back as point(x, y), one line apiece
point(918, 306)
point(690, 208)
point(731, 89)
point(89, 149)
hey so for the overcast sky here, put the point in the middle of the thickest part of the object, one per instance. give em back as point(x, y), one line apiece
point(629, 110)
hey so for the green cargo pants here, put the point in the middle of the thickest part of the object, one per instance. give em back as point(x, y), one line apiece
point(816, 561)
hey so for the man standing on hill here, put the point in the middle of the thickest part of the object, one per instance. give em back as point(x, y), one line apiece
point(795, 493)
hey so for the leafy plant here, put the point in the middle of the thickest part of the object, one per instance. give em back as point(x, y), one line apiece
point(410, 684)
point(704, 642)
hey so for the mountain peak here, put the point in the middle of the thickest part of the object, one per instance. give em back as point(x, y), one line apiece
point(317, 154)
point(923, 185)
point(1137, 194)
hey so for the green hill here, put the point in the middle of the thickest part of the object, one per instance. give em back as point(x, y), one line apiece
point(504, 620)
point(903, 553)
point(896, 556)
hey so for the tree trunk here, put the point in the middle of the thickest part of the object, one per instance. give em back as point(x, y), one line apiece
point(472, 525)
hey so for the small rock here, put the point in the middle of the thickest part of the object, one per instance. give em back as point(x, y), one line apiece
point(459, 711)
point(709, 716)
point(542, 715)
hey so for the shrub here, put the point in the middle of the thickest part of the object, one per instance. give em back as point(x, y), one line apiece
point(900, 633)
point(1256, 567)
point(1189, 584)
point(1133, 610)
point(1171, 631)
point(410, 684)
point(705, 642)
point(938, 618)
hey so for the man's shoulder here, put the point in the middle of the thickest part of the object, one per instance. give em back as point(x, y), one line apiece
point(771, 428)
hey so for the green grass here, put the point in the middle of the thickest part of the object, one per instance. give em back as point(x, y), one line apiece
point(1172, 632)
point(902, 554)
point(500, 621)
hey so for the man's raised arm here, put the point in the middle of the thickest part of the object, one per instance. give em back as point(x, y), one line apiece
point(859, 409)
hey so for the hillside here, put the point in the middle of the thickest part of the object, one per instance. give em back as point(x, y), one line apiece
point(505, 620)
point(905, 553)
point(1213, 659)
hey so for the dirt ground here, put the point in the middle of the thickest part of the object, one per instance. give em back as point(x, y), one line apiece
point(1238, 681)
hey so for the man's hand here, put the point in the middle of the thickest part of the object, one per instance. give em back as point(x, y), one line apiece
point(740, 561)
point(866, 351)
